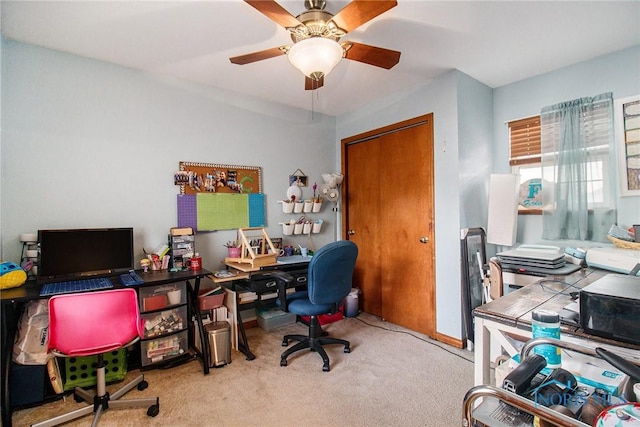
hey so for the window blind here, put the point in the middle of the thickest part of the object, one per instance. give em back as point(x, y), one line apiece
point(524, 141)
point(595, 129)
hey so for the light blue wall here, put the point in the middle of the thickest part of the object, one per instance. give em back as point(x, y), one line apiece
point(618, 72)
point(90, 144)
point(66, 122)
point(475, 119)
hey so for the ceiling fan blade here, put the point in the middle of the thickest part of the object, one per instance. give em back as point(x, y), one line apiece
point(311, 84)
point(358, 12)
point(372, 55)
point(258, 56)
point(275, 12)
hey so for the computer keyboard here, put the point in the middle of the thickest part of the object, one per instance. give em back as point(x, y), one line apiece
point(75, 286)
point(131, 278)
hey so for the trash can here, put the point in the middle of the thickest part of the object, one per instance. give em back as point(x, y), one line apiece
point(219, 343)
point(351, 308)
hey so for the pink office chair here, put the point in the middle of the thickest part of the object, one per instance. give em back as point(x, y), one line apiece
point(90, 324)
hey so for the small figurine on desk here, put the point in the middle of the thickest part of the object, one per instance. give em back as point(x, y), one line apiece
point(144, 263)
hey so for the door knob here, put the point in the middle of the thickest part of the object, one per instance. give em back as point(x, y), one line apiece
point(424, 239)
point(351, 232)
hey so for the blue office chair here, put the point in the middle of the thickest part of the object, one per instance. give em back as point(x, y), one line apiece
point(328, 283)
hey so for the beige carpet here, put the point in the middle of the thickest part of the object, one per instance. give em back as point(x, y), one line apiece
point(392, 377)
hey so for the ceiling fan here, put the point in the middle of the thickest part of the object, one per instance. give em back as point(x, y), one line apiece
point(316, 35)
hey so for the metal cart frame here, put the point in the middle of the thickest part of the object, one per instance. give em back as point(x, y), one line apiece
point(521, 402)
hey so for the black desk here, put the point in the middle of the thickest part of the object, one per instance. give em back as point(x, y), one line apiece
point(13, 301)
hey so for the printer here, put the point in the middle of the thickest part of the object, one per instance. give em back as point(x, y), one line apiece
point(614, 259)
point(610, 308)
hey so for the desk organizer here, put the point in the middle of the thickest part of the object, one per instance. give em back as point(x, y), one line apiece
point(81, 371)
point(257, 248)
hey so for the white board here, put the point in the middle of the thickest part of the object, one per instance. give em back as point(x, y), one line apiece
point(502, 224)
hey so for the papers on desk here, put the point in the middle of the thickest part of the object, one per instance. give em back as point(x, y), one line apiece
point(224, 274)
point(293, 259)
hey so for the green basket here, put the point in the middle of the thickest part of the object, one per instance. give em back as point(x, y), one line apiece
point(81, 371)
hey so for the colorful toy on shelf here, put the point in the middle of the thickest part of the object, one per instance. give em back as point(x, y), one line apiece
point(144, 263)
point(11, 275)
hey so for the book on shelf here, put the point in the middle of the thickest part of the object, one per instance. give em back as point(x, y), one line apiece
point(161, 250)
point(247, 296)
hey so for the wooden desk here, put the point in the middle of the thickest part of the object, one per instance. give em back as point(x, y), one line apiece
point(510, 316)
point(13, 301)
point(256, 279)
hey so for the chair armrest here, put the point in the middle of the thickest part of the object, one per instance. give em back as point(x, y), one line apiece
point(283, 280)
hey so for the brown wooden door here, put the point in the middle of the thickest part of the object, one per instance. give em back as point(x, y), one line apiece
point(388, 212)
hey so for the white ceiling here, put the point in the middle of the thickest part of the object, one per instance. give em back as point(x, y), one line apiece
point(495, 42)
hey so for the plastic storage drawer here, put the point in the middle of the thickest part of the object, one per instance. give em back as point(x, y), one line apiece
point(165, 322)
point(164, 348)
point(272, 318)
point(160, 297)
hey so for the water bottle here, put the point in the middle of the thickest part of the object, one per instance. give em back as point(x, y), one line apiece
point(546, 324)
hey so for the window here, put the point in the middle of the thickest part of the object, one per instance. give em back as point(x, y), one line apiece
point(524, 141)
point(526, 160)
point(595, 132)
point(525, 156)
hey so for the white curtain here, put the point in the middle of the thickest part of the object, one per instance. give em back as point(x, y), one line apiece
point(578, 159)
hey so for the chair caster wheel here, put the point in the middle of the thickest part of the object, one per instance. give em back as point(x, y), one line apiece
point(143, 385)
point(325, 368)
point(153, 410)
point(283, 362)
point(285, 343)
point(347, 350)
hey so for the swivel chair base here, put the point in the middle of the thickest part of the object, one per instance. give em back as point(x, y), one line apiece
point(100, 401)
point(314, 342)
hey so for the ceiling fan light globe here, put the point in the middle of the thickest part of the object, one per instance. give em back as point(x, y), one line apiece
point(315, 57)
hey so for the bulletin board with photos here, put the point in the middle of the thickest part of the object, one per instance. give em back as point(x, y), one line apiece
point(195, 178)
point(219, 197)
point(627, 116)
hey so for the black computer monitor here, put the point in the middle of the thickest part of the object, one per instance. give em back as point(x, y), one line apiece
point(77, 253)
